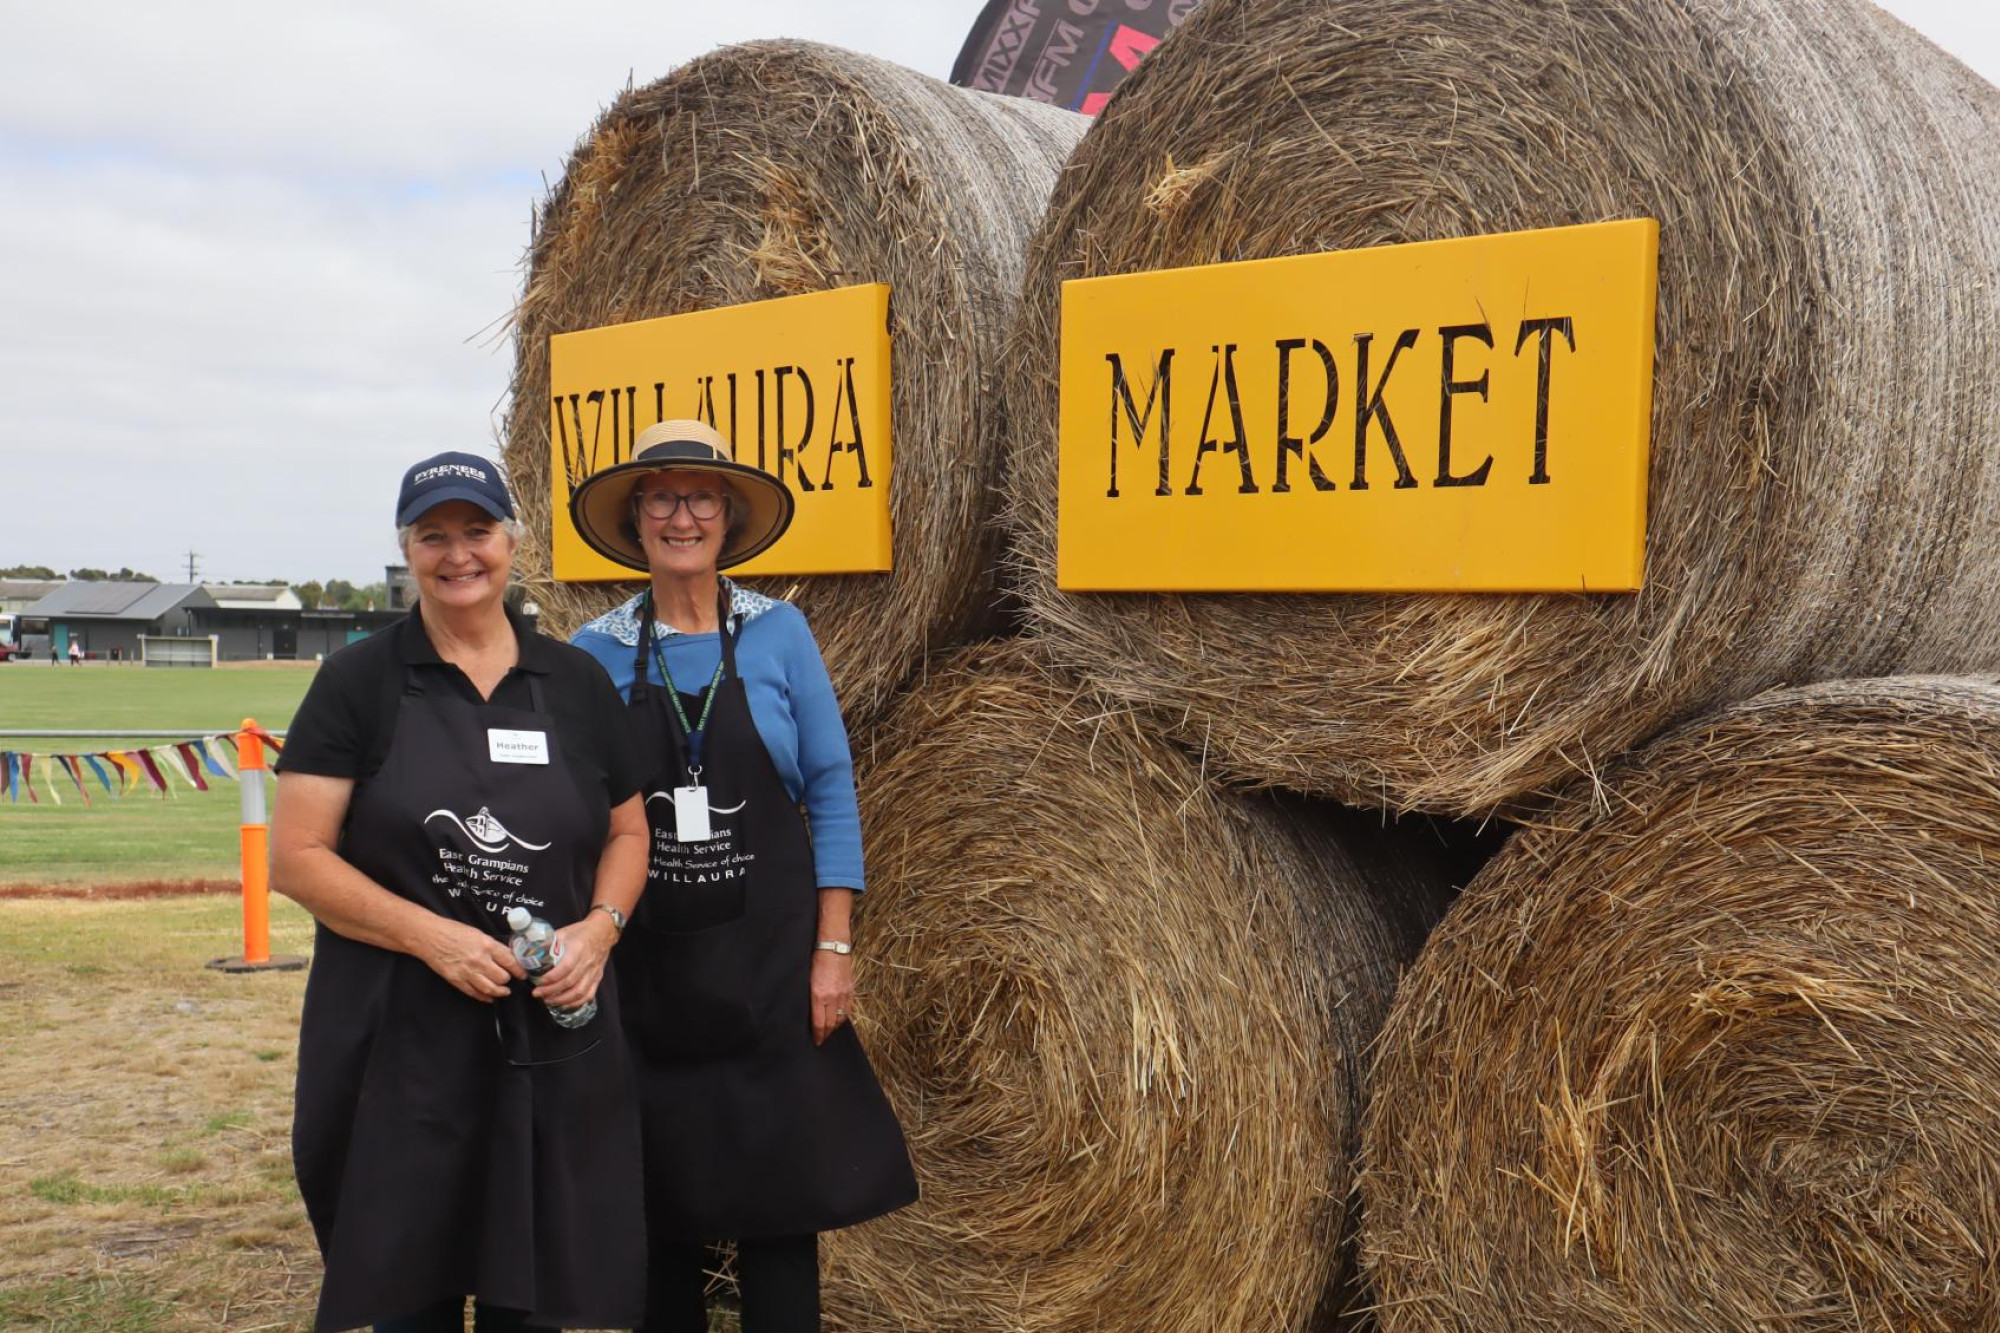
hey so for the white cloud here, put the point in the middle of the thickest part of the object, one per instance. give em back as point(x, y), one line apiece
point(262, 251)
point(183, 344)
point(437, 91)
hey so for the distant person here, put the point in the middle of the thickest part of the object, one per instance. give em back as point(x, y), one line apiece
point(53, 659)
point(450, 1139)
point(75, 653)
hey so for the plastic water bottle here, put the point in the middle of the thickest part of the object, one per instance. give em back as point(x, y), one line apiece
point(535, 944)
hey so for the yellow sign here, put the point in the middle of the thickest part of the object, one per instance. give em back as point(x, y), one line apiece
point(800, 388)
point(1466, 415)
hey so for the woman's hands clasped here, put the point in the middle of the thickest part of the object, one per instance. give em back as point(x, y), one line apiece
point(585, 948)
point(469, 959)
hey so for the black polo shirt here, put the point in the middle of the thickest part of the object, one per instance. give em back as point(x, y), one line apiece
point(348, 718)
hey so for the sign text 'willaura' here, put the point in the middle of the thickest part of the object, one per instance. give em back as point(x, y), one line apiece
point(798, 385)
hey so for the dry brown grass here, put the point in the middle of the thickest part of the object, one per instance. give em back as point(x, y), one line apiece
point(1121, 1012)
point(1824, 486)
point(778, 168)
point(1715, 1048)
point(124, 890)
point(145, 1120)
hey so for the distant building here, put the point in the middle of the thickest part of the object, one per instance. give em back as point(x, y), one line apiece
point(19, 594)
point(251, 621)
point(253, 597)
point(323, 633)
point(255, 622)
point(402, 591)
point(107, 616)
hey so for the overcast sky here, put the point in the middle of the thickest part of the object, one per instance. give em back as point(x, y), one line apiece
point(256, 254)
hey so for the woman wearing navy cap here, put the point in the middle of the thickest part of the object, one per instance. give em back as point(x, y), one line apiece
point(451, 1140)
point(763, 1122)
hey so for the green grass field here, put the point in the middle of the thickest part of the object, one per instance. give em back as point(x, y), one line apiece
point(143, 836)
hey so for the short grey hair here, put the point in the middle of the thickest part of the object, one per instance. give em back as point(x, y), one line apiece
point(513, 527)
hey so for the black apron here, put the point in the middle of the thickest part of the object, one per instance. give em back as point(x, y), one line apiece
point(446, 1147)
point(750, 1130)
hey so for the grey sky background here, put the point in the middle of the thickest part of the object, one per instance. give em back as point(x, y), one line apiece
point(258, 257)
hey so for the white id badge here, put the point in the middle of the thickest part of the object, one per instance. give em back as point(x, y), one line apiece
point(691, 814)
point(517, 747)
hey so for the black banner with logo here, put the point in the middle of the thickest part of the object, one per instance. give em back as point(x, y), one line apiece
point(1068, 53)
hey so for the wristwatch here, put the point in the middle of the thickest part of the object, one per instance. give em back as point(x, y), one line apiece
point(617, 917)
point(841, 947)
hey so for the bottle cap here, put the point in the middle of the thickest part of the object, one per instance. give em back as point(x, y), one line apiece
point(518, 918)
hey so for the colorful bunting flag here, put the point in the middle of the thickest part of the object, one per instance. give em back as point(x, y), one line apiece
point(197, 762)
point(169, 761)
point(180, 756)
point(185, 749)
point(151, 768)
point(208, 759)
point(75, 771)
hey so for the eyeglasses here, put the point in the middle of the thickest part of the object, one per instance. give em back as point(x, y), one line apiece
point(661, 504)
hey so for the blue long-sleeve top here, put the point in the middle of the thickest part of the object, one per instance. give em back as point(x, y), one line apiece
point(791, 703)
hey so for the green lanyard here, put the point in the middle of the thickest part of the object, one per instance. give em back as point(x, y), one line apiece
point(694, 732)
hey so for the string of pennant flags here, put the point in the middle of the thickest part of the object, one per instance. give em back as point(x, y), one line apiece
point(194, 762)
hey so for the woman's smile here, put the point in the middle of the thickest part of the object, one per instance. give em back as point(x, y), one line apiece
point(683, 544)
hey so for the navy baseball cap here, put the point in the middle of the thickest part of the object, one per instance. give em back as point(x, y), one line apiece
point(443, 477)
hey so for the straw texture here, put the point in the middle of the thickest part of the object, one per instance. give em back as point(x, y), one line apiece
point(1716, 1051)
point(1824, 482)
point(780, 168)
point(1120, 1012)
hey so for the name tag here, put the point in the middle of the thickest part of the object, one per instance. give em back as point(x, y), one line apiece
point(517, 747)
point(691, 814)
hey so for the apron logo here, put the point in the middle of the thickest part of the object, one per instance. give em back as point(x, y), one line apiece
point(487, 833)
point(668, 797)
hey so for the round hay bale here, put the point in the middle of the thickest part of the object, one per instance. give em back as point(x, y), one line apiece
point(1823, 484)
point(1718, 1051)
point(779, 168)
point(1120, 1012)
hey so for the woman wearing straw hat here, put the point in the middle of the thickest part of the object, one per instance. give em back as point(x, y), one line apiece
point(451, 1138)
point(763, 1121)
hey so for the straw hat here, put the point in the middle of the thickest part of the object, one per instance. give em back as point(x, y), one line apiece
point(601, 508)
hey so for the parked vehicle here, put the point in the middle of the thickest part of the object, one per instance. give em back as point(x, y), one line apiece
point(21, 636)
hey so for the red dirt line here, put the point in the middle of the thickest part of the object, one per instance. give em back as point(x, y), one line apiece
point(128, 890)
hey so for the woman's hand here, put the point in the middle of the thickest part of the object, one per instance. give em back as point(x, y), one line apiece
point(469, 959)
point(586, 946)
point(832, 992)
